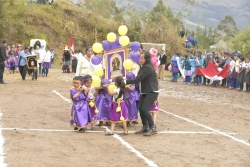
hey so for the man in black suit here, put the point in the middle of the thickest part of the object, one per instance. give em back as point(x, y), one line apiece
point(163, 61)
point(149, 92)
point(3, 59)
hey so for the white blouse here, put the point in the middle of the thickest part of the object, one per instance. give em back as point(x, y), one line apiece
point(135, 68)
point(91, 92)
point(117, 91)
point(47, 56)
point(84, 66)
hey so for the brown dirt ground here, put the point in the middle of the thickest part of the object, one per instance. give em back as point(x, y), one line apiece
point(33, 105)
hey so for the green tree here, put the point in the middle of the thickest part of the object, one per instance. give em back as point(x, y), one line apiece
point(105, 8)
point(227, 27)
point(2, 13)
point(241, 41)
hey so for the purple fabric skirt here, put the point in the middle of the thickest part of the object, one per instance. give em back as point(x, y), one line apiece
point(46, 65)
point(80, 114)
point(187, 73)
point(175, 69)
point(154, 108)
point(115, 116)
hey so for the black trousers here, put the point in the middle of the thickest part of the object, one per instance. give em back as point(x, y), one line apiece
point(145, 103)
point(23, 71)
point(34, 74)
point(40, 68)
point(224, 82)
point(1, 71)
point(74, 69)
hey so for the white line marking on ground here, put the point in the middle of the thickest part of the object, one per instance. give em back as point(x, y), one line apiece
point(59, 94)
point(132, 149)
point(187, 132)
point(96, 131)
point(2, 164)
point(207, 127)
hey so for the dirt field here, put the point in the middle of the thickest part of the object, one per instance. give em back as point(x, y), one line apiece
point(200, 126)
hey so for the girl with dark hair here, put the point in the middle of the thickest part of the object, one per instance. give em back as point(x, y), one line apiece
point(149, 91)
point(118, 112)
point(46, 62)
point(83, 65)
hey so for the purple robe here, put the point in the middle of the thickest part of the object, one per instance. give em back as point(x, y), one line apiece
point(80, 113)
point(103, 103)
point(130, 102)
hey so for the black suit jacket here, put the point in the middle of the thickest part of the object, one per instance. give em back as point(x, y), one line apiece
point(163, 59)
point(148, 79)
point(2, 53)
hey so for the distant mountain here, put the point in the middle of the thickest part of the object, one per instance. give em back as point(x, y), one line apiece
point(204, 12)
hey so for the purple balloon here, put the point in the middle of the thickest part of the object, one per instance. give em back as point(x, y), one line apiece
point(96, 60)
point(114, 79)
point(135, 46)
point(129, 56)
point(106, 45)
point(135, 56)
point(114, 46)
point(130, 76)
point(105, 81)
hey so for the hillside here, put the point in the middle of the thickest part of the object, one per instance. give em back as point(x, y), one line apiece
point(21, 22)
point(204, 12)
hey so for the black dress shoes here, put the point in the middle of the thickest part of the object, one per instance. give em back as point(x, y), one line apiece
point(152, 130)
point(143, 130)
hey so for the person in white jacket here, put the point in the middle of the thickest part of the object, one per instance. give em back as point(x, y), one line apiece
point(46, 62)
point(84, 65)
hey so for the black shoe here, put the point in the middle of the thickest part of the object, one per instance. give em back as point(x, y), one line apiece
point(144, 129)
point(151, 131)
point(3, 82)
point(81, 130)
point(75, 128)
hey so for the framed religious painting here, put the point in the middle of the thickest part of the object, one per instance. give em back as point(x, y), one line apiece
point(31, 62)
point(114, 63)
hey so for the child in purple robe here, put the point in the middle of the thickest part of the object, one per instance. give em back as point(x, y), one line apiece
point(118, 112)
point(130, 100)
point(91, 93)
point(154, 110)
point(13, 62)
point(80, 113)
point(103, 103)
